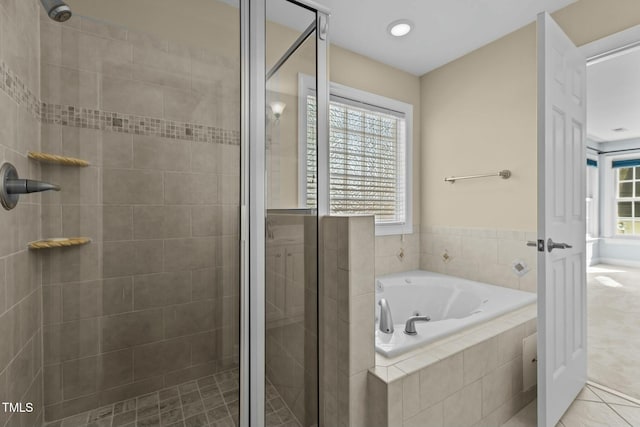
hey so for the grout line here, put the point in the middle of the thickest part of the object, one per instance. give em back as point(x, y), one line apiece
point(614, 392)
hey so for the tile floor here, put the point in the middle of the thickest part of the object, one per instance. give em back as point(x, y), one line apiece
point(594, 407)
point(613, 295)
point(207, 402)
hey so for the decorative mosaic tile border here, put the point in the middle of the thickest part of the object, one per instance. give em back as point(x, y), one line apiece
point(88, 118)
point(18, 91)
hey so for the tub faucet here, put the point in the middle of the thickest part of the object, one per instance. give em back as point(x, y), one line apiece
point(410, 326)
point(386, 322)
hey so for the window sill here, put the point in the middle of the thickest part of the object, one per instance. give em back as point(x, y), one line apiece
point(393, 229)
point(620, 240)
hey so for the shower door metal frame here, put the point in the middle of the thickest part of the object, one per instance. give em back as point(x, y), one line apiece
point(253, 194)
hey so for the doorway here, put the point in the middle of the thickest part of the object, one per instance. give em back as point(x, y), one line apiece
point(613, 229)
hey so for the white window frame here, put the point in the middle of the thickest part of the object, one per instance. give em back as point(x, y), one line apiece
point(593, 199)
point(610, 194)
point(306, 86)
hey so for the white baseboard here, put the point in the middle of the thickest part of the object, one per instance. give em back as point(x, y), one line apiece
point(620, 262)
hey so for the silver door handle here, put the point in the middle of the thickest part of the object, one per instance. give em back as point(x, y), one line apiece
point(551, 245)
point(532, 243)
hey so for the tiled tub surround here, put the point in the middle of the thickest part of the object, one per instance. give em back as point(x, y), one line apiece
point(153, 300)
point(397, 253)
point(473, 378)
point(484, 255)
point(346, 320)
point(20, 270)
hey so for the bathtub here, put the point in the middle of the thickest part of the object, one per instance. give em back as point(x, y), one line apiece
point(452, 304)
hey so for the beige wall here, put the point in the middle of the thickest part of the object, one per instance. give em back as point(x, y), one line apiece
point(479, 115)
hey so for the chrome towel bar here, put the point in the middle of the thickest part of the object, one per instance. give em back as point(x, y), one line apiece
point(505, 174)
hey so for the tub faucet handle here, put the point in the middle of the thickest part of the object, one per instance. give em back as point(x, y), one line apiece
point(386, 322)
point(410, 326)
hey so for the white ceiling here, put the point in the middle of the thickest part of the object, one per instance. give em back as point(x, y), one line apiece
point(613, 97)
point(443, 29)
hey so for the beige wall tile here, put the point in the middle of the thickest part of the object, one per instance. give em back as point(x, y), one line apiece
point(125, 330)
point(207, 157)
point(86, 51)
point(161, 289)
point(480, 359)
point(68, 86)
point(143, 187)
point(440, 380)
point(131, 97)
point(510, 344)
point(117, 150)
point(117, 223)
point(464, 408)
point(496, 388)
point(115, 369)
point(161, 153)
point(158, 358)
point(430, 417)
point(70, 340)
point(188, 188)
point(206, 220)
point(157, 222)
point(410, 395)
point(81, 300)
point(150, 56)
point(79, 377)
point(117, 295)
point(82, 221)
point(186, 319)
point(189, 254)
point(52, 384)
point(132, 257)
point(81, 143)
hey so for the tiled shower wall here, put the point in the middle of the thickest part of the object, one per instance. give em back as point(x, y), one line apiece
point(152, 301)
point(20, 273)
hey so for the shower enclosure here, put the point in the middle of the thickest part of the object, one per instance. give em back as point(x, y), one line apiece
point(174, 278)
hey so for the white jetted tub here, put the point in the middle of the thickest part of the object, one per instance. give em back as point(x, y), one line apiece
point(451, 303)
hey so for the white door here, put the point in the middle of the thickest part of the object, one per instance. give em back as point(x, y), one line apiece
point(562, 347)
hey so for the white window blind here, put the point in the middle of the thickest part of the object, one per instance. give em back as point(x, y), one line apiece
point(367, 160)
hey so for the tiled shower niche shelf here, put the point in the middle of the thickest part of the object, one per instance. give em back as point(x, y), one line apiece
point(57, 159)
point(62, 242)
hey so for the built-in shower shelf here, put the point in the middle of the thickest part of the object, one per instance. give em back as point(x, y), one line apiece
point(54, 158)
point(63, 242)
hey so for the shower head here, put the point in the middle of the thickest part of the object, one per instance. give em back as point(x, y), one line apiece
point(57, 10)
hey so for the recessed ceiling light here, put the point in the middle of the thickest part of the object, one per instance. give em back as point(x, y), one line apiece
point(400, 28)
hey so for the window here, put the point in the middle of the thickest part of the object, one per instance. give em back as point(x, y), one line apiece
point(369, 148)
point(592, 197)
point(627, 197)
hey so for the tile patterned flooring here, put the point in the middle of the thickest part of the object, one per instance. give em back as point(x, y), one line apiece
point(594, 407)
point(207, 402)
point(613, 297)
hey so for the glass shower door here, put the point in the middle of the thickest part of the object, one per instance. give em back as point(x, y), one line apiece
point(141, 325)
point(291, 215)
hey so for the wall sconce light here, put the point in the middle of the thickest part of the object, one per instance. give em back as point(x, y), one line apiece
point(277, 108)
